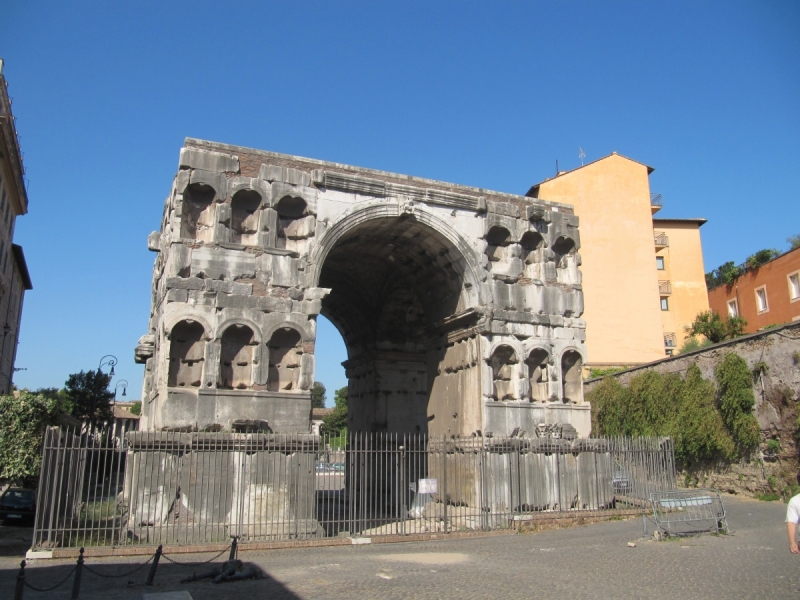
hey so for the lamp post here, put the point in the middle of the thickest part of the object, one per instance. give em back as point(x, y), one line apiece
point(124, 385)
point(6, 331)
point(112, 360)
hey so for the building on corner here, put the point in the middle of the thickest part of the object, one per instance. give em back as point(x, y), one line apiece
point(643, 277)
point(14, 277)
point(767, 295)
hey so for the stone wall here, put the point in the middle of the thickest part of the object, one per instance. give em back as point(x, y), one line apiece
point(777, 393)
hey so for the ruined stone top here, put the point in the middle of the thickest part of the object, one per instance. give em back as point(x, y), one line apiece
point(251, 159)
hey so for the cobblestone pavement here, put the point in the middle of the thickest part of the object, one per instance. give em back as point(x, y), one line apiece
point(589, 561)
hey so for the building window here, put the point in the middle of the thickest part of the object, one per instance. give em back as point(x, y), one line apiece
point(668, 351)
point(794, 286)
point(761, 299)
point(733, 308)
point(664, 303)
point(660, 263)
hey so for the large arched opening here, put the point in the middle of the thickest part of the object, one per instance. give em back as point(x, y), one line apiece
point(401, 297)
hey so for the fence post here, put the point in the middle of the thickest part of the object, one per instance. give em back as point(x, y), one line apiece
point(20, 582)
point(152, 574)
point(444, 480)
point(76, 583)
point(233, 549)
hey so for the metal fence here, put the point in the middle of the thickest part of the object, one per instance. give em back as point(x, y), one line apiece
point(118, 487)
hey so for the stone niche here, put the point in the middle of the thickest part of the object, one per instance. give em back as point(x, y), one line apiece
point(460, 308)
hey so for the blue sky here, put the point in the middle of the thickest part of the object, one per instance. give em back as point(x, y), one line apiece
point(487, 94)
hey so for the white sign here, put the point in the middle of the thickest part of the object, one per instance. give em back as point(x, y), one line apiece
point(428, 486)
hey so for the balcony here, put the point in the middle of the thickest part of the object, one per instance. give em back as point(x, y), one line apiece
point(656, 203)
point(670, 340)
point(661, 239)
point(664, 288)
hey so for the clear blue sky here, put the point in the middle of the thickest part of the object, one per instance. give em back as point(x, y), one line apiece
point(487, 94)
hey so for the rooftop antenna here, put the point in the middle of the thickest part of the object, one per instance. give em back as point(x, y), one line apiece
point(581, 155)
point(556, 166)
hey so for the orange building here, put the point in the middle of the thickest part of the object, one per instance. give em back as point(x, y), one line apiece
point(768, 295)
point(643, 277)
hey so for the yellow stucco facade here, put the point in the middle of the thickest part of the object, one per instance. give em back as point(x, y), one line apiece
point(684, 274)
point(635, 310)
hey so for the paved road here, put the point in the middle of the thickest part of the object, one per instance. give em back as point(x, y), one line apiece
point(589, 561)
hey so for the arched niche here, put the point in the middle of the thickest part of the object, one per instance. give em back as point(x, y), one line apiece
point(497, 239)
point(197, 216)
point(563, 246)
point(537, 363)
point(292, 214)
point(572, 376)
point(245, 206)
point(285, 352)
point(186, 355)
point(237, 346)
point(502, 362)
point(530, 242)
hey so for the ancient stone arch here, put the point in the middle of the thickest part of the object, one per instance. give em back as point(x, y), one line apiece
point(441, 293)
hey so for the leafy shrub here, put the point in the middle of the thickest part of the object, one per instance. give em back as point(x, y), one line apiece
point(760, 368)
point(736, 401)
point(595, 373)
point(773, 446)
point(665, 405)
point(768, 497)
point(726, 273)
point(693, 343)
point(754, 261)
point(24, 420)
point(716, 329)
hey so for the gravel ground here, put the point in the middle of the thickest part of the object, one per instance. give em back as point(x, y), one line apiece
point(589, 561)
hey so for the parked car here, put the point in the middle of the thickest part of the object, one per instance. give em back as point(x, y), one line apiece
point(18, 504)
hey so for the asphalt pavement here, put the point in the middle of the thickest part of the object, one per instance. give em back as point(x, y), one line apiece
point(587, 561)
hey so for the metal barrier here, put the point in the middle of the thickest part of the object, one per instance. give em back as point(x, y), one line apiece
point(115, 487)
point(685, 512)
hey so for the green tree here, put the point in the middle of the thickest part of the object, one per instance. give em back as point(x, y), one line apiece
point(716, 329)
point(318, 395)
point(794, 241)
point(761, 257)
point(336, 421)
point(25, 418)
point(665, 405)
point(725, 273)
point(90, 397)
point(136, 408)
point(699, 431)
point(736, 400)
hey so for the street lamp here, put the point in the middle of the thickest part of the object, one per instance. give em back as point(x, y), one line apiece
point(112, 360)
point(124, 384)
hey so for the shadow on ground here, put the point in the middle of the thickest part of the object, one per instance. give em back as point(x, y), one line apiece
point(123, 580)
point(15, 539)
